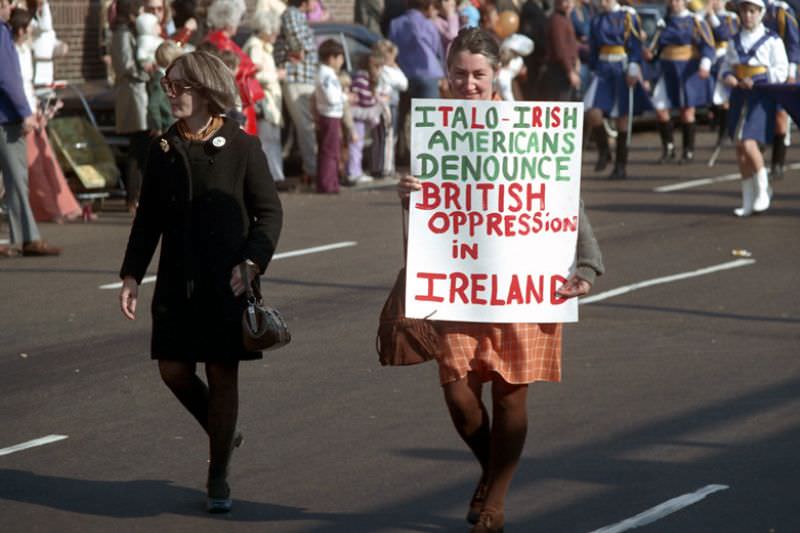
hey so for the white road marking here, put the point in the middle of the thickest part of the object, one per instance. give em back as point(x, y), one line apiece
point(32, 444)
point(284, 255)
point(662, 510)
point(708, 181)
point(666, 279)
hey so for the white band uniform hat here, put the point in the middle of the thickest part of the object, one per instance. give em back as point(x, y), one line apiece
point(759, 3)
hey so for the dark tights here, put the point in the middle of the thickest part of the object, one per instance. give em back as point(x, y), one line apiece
point(497, 444)
point(214, 406)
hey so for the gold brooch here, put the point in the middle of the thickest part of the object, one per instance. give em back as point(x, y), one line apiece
point(164, 145)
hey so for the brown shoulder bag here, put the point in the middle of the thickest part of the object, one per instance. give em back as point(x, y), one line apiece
point(401, 340)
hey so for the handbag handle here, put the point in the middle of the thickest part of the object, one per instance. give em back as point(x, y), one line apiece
point(253, 295)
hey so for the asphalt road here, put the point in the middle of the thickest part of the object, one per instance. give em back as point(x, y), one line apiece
point(668, 389)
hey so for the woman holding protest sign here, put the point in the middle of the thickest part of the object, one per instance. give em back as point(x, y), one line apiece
point(509, 355)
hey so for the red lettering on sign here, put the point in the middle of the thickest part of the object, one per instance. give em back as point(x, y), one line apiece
point(445, 110)
point(555, 117)
point(431, 277)
point(478, 287)
point(475, 125)
point(458, 286)
point(536, 122)
point(556, 281)
point(494, 299)
point(430, 196)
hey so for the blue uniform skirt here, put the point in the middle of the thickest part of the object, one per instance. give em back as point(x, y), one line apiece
point(681, 86)
point(752, 116)
point(609, 92)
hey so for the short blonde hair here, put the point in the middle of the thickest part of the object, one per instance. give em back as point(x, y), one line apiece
point(167, 52)
point(225, 14)
point(266, 21)
point(387, 47)
point(212, 79)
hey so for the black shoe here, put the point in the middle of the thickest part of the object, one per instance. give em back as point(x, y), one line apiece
point(667, 154)
point(219, 497)
point(667, 142)
point(603, 151)
point(618, 173)
point(778, 157)
point(603, 159)
point(688, 141)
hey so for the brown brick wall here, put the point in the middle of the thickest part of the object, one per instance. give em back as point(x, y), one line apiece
point(77, 22)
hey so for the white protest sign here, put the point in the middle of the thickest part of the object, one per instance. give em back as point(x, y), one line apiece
point(493, 232)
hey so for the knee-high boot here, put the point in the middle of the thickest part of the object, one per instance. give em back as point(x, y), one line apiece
point(778, 157)
point(748, 196)
point(761, 191)
point(688, 141)
point(667, 142)
point(603, 151)
point(621, 160)
point(722, 125)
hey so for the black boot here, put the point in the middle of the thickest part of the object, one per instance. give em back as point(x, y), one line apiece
point(603, 151)
point(621, 160)
point(667, 142)
point(778, 157)
point(688, 142)
point(722, 125)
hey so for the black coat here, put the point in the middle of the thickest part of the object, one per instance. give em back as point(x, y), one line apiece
point(213, 205)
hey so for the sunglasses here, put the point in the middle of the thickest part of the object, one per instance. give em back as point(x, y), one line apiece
point(175, 88)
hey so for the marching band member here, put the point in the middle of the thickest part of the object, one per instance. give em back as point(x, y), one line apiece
point(756, 55)
point(615, 59)
point(686, 50)
point(724, 25)
point(781, 18)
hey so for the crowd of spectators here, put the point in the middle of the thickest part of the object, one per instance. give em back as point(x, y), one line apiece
point(278, 75)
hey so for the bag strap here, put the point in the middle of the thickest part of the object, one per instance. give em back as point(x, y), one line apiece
point(252, 294)
point(405, 231)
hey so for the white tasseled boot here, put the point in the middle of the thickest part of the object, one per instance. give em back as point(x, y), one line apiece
point(748, 193)
point(762, 191)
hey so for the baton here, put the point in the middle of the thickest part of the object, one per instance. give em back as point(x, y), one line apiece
point(715, 155)
point(629, 133)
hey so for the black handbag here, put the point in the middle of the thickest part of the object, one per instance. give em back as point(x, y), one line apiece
point(263, 327)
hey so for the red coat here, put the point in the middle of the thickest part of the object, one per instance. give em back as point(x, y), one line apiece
point(250, 90)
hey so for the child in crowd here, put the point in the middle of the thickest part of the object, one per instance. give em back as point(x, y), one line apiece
point(468, 15)
point(367, 110)
point(348, 133)
point(512, 50)
point(148, 39)
point(390, 83)
point(329, 100)
point(159, 112)
point(392, 79)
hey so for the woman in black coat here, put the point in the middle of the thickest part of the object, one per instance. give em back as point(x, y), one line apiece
point(208, 195)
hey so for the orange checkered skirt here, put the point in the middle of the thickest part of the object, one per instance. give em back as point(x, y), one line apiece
point(519, 353)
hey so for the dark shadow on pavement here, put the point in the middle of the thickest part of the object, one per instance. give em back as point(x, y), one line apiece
point(153, 497)
point(631, 474)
